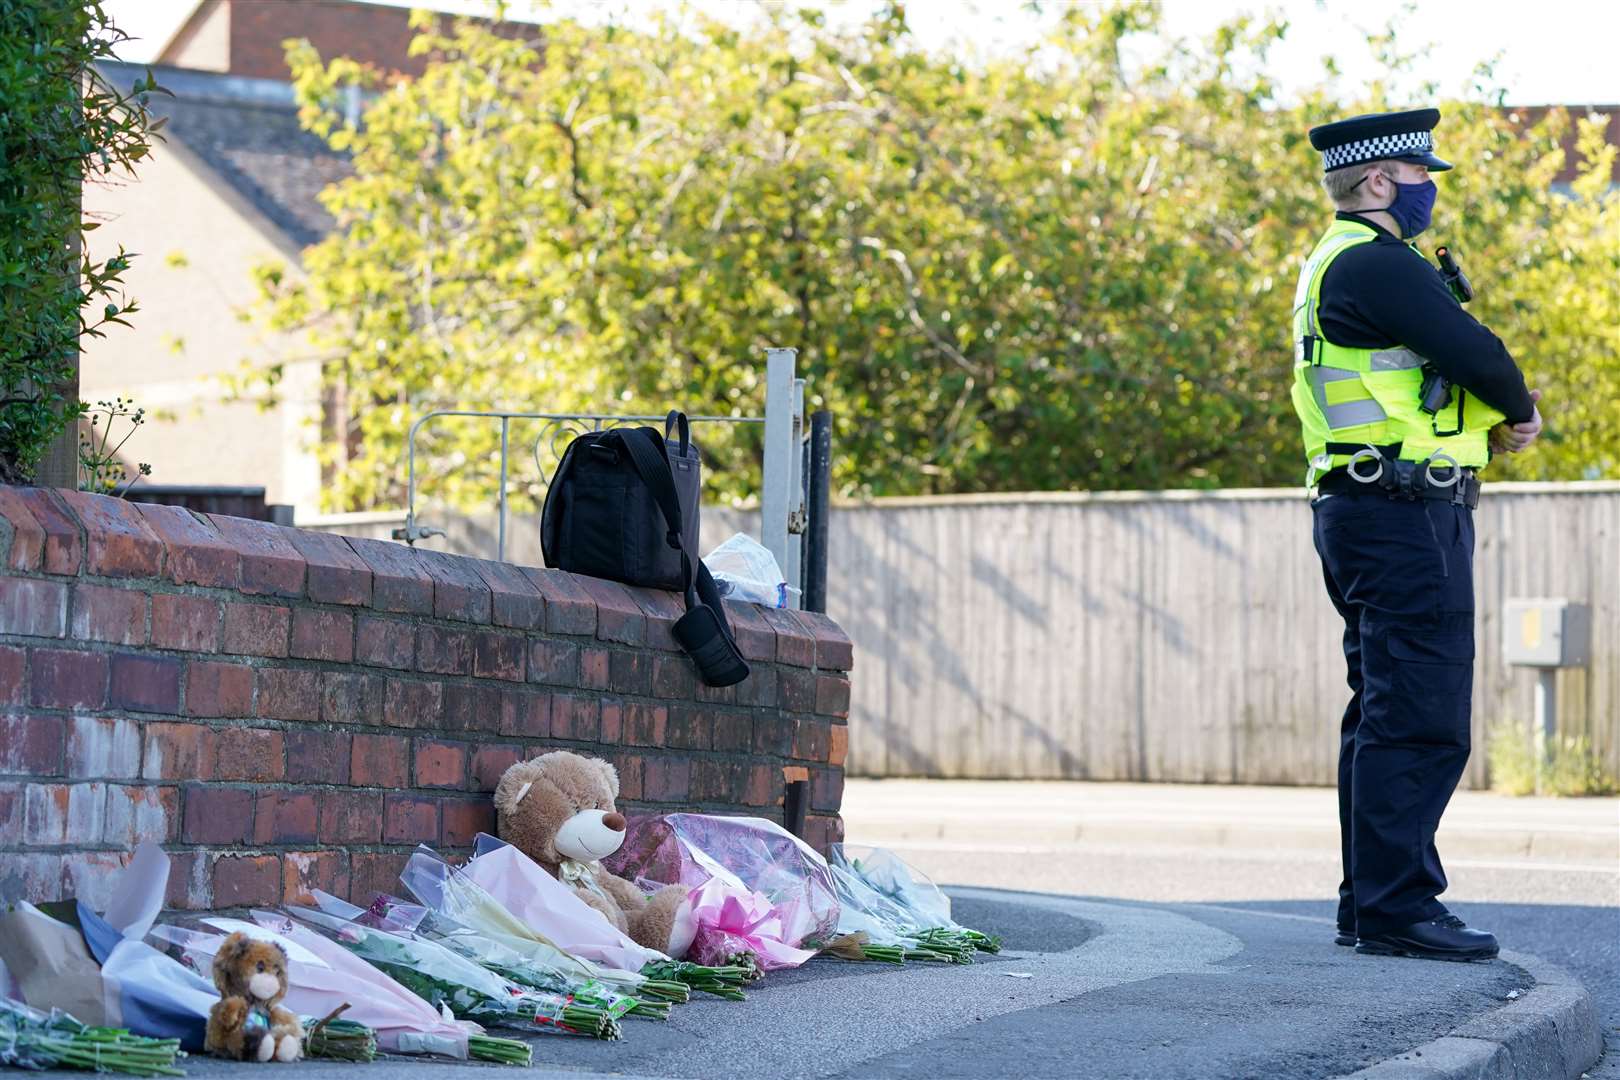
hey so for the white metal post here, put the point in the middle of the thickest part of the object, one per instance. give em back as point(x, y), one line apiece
point(780, 450)
point(1545, 721)
point(795, 511)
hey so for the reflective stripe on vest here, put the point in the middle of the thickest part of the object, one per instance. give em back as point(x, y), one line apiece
point(1353, 397)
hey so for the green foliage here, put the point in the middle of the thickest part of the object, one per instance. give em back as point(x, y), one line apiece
point(61, 125)
point(1566, 763)
point(1042, 272)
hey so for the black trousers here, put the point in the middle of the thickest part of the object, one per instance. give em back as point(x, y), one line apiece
point(1402, 576)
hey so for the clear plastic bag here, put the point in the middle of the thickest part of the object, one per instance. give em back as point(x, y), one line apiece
point(744, 569)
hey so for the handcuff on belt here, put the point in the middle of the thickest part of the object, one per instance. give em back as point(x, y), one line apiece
point(1401, 479)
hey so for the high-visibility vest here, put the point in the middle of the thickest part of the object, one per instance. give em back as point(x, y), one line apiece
point(1350, 399)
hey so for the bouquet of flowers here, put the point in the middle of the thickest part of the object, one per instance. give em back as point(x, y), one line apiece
point(339, 1039)
point(31, 1039)
point(896, 908)
point(447, 979)
point(530, 893)
point(323, 976)
point(757, 888)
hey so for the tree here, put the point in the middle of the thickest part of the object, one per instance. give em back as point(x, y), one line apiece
point(62, 124)
point(1049, 271)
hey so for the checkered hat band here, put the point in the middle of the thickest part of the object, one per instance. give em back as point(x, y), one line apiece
point(1384, 146)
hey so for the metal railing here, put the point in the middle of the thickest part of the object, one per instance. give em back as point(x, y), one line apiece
point(782, 499)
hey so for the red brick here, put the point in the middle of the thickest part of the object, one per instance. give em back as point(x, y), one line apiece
point(688, 728)
point(618, 617)
point(217, 815)
point(13, 676)
point(826, 788)
point(595, 669)
point(99, 749)
point(631, 673)
point(191, 887)
point(490, 761)
point(666, 779)
point(440, 764)
point(333, 573)
point(60, 679)
point(283, 816)
point(795, 645)
point(498, 656)
point(351, 698)
point(257, 629)
point(218, 689)
point(196, 553)
point(371, 873)
point(317, 757)
point(350, 817)
point(399, 580)
point(270, 565)
point(322, 635)
point(718, 780)
point(59, 813)
point(834, 652)
point(823, 832)
point(413, 703)
point(385, 642)
point(137, 814)
point(289, 694)
point(555, 663)
point(64, 550)
point(661, 609)
point(12, 802)
point(106, 614)
point(525, 713)
point(302, 872)
point(471, 707)
point(644, 724)
point(514, 599)
point(813, 740)
point(35, 607)
point(443, 652)
point(832, 695)
point(756, 640)
point(253, 754)
point(838, 744)
point(629, 768)
point(797, 691)
point(459, 591)
point(569, 608)
point(761, 789)
point(610, 730)
point(185, 622)
point(247, 880)
point(461, 820)
point(26, 547)
point(117, 540)
point(759, 689)
point(144, 683)
point(381, 761)
point(92, 876)
point(716, 695)
point(773, 734)
point(733, 731)
point(410, 819)
point(178, 752)
point(673, 678)
point(574, 717)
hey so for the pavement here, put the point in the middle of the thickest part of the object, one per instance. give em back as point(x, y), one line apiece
point(1180, 932)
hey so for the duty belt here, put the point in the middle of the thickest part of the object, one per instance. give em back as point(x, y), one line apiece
point(1371, 472)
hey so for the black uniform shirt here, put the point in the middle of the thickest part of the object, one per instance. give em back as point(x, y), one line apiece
point(1379, 295)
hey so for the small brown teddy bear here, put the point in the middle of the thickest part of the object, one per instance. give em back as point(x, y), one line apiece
point(246, 1022)
point(558, 810)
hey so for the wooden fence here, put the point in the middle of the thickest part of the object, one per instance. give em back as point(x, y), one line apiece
point(1177, 636)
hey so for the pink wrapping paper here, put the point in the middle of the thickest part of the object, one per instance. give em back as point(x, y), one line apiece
point(733, 920)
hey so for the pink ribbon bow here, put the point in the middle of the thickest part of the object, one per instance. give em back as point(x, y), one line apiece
point(733, 920)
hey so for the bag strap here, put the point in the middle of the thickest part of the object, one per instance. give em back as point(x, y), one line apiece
point(649, 456)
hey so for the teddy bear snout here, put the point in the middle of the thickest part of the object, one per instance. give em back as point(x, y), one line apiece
point(264, 985)
point(614, 822)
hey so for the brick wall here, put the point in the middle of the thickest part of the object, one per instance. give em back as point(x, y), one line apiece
point(286, 709)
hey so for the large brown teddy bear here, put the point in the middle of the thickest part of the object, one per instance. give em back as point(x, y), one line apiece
point(247, 1021)
point(558, 810)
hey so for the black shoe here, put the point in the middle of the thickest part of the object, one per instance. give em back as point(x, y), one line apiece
point(1344, 937)
point(1445, 938)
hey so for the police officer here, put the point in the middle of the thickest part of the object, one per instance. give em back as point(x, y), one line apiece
point(1402, 397)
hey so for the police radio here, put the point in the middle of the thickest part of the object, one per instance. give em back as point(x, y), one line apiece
point(1436, 390)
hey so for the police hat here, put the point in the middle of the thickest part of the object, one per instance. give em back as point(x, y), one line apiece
point(1396, 136)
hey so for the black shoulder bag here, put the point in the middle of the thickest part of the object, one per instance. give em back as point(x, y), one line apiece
point(623, 505)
